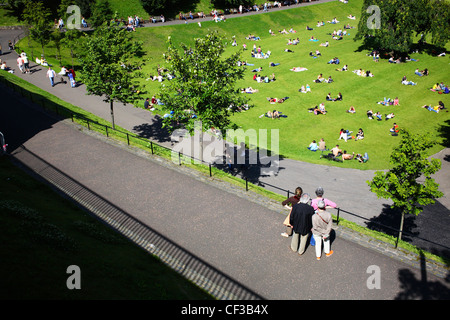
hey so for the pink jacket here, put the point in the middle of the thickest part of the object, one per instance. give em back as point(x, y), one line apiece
point(328, 203)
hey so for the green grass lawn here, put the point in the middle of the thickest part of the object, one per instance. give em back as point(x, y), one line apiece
point(43, 234)
point(301, 127)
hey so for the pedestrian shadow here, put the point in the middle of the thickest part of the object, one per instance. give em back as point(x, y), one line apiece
point(413, 288)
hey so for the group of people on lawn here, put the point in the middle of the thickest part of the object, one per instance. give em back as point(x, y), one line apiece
point(336, 153)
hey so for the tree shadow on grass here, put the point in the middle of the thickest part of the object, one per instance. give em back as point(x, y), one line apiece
point(444, 133)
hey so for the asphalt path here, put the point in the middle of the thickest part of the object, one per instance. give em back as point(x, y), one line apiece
point(233, 234)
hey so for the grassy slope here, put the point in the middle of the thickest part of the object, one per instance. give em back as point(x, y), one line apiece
point(297, 131)
point(38, 251)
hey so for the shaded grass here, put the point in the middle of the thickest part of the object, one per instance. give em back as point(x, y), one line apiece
point(43, 234)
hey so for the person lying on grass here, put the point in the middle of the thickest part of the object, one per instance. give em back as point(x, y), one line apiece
point(389, 116)
point(389, 102)
point(362, 158)
point(249, 90)
point(335, 60)
point(316, 110)
point(275, 100)
point(406, 82)
point(298, 69)
point(347, 156)
point(437, 108)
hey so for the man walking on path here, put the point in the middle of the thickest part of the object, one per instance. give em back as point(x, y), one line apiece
point(51, 75)
point(301, 222)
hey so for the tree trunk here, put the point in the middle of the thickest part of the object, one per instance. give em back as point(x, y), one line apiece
point(401, 228)
point(112, 114)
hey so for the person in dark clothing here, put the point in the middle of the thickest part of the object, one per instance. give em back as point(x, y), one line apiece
point(301, 222)
point(147, 103)
point(289, 203)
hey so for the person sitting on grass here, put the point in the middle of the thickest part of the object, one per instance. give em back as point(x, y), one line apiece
point(436, 87)
point(369, 114)
point(329, 98)
point(336, 151)
point(359, 134)
point(351, 110)
point(319, 79)
point(339, 97)
point(313, 146)
point(322, 145)
point(345, 134)
point(329, 80)
point(445, 91)
point(394, 130)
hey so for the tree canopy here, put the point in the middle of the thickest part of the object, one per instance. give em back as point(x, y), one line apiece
point(391, 25)
point(109, 67)
point(203, 83)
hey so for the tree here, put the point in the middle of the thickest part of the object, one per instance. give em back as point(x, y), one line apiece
point(203, 83)
point(108, 67)
point(401, 183)
point(398, 21)
point(38, 19)
point(101, 12)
